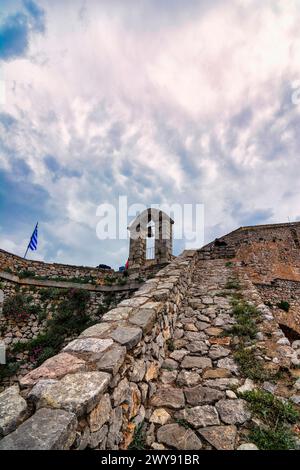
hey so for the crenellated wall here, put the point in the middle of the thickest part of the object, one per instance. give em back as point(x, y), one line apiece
point(92, 394)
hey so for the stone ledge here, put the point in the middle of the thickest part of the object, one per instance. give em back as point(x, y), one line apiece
point(45, 430)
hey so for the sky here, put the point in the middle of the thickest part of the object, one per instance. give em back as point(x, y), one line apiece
point(174, 101)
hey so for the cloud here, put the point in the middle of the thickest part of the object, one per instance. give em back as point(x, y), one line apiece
point(165, 102)
point(16, 29)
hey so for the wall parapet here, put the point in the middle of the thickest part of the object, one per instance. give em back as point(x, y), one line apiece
point(92, 394)
point(66, 284)
point(15, 264)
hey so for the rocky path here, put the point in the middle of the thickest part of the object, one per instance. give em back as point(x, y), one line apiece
point(197, 403)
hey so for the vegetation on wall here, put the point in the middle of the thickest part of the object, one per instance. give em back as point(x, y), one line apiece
point(19, 308)
point(284, 305)
point(27, 274)
point(276, 418)
point(69, 319)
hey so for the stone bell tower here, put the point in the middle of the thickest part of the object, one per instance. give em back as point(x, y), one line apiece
point(149, 221)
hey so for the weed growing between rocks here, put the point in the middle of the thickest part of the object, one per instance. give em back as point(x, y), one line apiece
point(246, 316)
point(276, 416)
point(139, 438)
point(250, 366)
point(232, 284)
point(183, 423)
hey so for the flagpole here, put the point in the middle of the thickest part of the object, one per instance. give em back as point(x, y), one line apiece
point(26, 252)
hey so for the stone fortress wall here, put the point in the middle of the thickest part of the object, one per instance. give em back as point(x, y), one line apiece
point(39, 281)
point(94, 392)
point(266, 251)
point(15, 264)
point(270, 256)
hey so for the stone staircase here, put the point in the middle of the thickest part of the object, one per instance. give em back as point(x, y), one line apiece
point(197, 403)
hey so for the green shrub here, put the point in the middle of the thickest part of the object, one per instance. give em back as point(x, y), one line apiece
point(16, 308)
point(109, 280)
point(250, 366)
point(284, 305)
point(51, 294)
point(45, 354)
point(246, 316)
point(170, 344)
point(26, 273)
point(9, 369)
point(280, 438)
point(276, 415)
point(232, 284)
point(269, 408)
point(8, 270)
point(69, 319)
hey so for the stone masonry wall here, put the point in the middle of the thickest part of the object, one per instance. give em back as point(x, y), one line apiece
point(16, 264)
point(101, 298)
point(267, 251)
point(282, 290)
point(93, 393)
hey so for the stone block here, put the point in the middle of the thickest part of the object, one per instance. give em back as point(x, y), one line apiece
point(54, 368)
point(46, 430)
point(127, 336)
point(178, 437)
point(117, 314)
point(144, 318)
point(112, 359)
point(78, 392)
point(89, 345)
point(96, 331)
point(12, 410)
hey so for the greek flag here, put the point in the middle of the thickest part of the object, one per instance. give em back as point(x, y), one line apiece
point(32, 245)
point(34, 239)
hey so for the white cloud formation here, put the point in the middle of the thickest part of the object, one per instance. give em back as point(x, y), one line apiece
point(191, 102)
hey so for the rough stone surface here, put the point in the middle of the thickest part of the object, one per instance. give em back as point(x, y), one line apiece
point(78, 392)
point(216, 374)
point(127, 336)
point(12, 410)
point(100, 414)
point(233, 411)
point(197, 362)
point(201, 416)
point(144, 319)
point(117, 314)
point(169, 397)
point(216, 352)
point(46, 430)
point(89, 345)
point(112, 359)
point(188, 378)
point(36, 391)
point(178, 437)
point(97, 330)
point(247, 446)
point(220, 437)
point(200, 395)
point(160, 416)
point(54, 368)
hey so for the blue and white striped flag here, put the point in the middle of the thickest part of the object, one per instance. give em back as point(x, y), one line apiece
point(34, 239)
point(32, 245)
